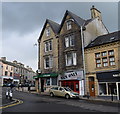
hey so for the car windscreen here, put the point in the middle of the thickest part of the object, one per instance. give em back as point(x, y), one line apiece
point(67, 89)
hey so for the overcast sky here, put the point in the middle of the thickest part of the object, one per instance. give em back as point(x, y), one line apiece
point(22, 23)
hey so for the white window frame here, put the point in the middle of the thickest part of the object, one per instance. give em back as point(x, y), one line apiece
point(69, 24)
point(71, 60)
point(50, 62)
point(49, 44)
point(48, 31)
point(69, 39)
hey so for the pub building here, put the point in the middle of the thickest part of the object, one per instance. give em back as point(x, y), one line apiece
point(74, 80)
point(109, 84)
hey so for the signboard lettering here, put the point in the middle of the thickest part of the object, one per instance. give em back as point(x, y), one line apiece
point(72, 75)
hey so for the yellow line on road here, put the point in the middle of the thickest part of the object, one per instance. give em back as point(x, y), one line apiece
point(19, 102)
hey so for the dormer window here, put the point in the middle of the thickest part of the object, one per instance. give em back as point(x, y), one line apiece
point(69, 24)
point(48, 31)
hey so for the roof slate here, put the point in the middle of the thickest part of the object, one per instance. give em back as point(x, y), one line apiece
point(107, 38)
point(54, 26)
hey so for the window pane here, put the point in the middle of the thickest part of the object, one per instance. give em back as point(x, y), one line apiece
point(97, 55)
point(54, 81)
point(50, 45)
point(72, 42)
point(111, 52)
point(102, 89)
point(47, 62)
point(112, 89)
point(51, 61)
point(112, 59)
point(48, 31)
point(98, 61)
point(105, 64)
point(104, 53)
point(104, 59)
point(68, 25)
point(48, 81)
point(74, 59)
point(66, 42)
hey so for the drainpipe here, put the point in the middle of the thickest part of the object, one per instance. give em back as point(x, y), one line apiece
point(83, 58)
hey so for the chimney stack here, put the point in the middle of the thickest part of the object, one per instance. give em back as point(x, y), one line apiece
point(3, 58)
point(95, 13)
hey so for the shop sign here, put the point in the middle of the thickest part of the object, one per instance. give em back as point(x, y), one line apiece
point(116, 75)
point(72, 75)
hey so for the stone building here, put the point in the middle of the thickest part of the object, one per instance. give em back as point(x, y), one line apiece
point(74, 34)
point(48, 56)
point(61, 50)
point(15, 72)
point(102, 63)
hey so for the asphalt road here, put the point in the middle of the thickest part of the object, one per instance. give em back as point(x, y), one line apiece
point(41, 103)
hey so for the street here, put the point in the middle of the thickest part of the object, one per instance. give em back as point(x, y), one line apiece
point(43, 103)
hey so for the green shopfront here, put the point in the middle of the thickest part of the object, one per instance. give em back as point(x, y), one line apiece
point(45, 81)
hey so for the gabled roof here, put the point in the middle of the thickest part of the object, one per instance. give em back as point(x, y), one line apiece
point(78, 20)
point(104, 39)
point(53, 25)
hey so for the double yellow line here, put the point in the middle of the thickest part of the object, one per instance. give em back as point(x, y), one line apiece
point(13, 104)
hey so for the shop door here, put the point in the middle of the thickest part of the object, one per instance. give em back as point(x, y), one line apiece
point(76, 86)
point(119, 90)
point(91, 86)
point(42, 85)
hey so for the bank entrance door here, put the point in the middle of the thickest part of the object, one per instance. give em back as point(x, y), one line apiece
point(91, 86)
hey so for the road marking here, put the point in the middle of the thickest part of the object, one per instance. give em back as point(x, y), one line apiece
point(19, 102)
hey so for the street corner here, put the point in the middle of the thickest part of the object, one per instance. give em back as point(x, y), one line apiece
point(13, 103)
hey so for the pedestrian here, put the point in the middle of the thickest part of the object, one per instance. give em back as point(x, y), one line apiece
point(10, 94)
point(7, 94)
point(29, 87)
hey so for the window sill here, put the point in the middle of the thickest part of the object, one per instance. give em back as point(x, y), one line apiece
point(105, 67)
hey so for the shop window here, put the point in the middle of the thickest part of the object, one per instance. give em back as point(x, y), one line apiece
point(54, 81)
point(48, 81)
point(112, 89)
point(102, 89)
point(77, 87)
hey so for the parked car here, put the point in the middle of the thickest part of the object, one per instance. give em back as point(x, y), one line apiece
point(63, 92)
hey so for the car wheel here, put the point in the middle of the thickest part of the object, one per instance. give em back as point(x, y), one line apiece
point(67, 96)
point(51, 94)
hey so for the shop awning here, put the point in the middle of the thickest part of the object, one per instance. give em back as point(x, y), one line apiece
point(46, 75)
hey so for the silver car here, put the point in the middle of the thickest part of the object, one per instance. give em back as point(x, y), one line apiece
point(63, 92)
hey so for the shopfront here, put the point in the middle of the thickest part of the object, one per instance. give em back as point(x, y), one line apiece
point(45, 81)
point(74, 80)
point(109, 84)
